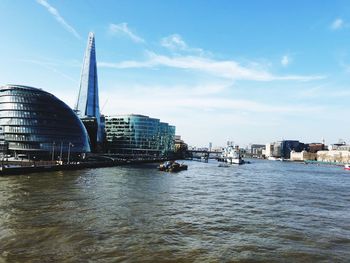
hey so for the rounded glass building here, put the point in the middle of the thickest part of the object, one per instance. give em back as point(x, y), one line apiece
point(36, 123)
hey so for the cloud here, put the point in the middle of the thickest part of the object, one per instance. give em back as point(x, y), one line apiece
point(337, 24)
point(227, 69)
point(325, 92)
point(123, 29)
point(175, 42)
point(285, 61)
point(155, 100)
point(50, 66)
point(53, 11)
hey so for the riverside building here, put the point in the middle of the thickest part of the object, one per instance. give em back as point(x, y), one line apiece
point(37, 125)
point(138, 136)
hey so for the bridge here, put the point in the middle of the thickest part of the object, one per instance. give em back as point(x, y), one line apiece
point(203, 154)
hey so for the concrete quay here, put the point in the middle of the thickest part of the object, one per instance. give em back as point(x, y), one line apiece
point(6, 170)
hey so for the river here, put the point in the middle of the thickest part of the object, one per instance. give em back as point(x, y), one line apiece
point(265, 211)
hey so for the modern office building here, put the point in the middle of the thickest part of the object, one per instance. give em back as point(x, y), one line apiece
point(290, 145)
point(282, 149)
point(139, 136)
point(87, 106)
point(255, 150)
point(37, 124)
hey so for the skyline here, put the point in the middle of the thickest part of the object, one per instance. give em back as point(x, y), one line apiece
point(244, 72)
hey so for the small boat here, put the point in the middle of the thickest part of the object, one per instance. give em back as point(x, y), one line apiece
point(223, 165)
point(347, 167)
point(171, 166)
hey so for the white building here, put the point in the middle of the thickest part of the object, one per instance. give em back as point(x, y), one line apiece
point(334, 156)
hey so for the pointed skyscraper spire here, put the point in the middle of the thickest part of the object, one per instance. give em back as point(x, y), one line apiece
point(88, 103)
point(87, 106)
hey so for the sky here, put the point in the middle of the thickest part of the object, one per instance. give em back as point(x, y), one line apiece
point(242, 71)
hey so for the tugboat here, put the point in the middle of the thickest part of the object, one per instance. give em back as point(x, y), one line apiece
point(172, 166)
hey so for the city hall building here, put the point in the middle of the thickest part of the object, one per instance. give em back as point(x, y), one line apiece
point(36, 124)
point(139, 136)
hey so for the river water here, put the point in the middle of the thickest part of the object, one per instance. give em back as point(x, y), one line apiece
point(265, 211)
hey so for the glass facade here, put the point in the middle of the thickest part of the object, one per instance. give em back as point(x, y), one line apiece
point(87, 105)
point(139, 136)
point(35, 122)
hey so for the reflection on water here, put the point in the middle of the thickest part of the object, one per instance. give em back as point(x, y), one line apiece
point(264, 211)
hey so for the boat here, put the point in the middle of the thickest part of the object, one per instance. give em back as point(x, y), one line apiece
point(223, 165)
point(172, 166)
point(347, 167)
point(231, 155)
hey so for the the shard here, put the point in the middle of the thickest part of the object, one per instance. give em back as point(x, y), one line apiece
point(87, 106)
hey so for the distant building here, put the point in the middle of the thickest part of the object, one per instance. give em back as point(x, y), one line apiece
point(87, 106)
point(180, 147)
point(339, 146)
point(139, 136)
point(302, 156)
point(334, 156)
point(290, 145)
point(276, 149)
point(268, 150)
point(315, 147)
point(256, 150)
point(36, 124)
point(282, 149)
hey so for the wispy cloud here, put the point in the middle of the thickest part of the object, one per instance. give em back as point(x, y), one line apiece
point(226, 69)
point(53, 11)
point(175, 42)
point(337, 24)
point(52, 66)
point(325, 92)
point(157, 99)
point(123, 29)
point(285, 61)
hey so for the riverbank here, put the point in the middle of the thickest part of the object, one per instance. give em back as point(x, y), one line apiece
point(23, 169)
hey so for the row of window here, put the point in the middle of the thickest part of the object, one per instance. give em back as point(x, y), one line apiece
point(22, 99)
point(68, 131)
point(137, 126)
point(48, 108)
point(37, 122)
point(32, 113)
point(20, 93)
point(39, 138)
point(45, 146)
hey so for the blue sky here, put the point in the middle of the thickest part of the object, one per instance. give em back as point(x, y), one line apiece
point(243, 71)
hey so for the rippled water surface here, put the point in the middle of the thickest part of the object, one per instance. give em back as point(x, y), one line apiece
point(260, 212)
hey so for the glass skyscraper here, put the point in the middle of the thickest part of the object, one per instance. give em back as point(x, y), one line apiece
point(36, 123)
point(133, 136)
point(87, 106)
